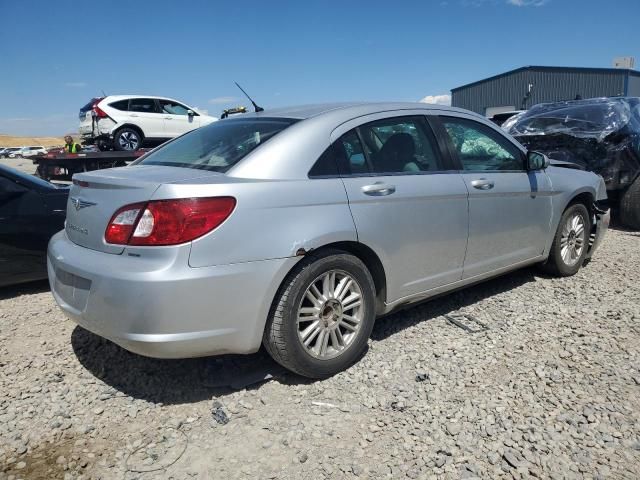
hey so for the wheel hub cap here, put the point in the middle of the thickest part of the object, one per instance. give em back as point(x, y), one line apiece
point(331, 313)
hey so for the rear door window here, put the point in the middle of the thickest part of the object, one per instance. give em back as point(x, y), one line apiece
point(399, 145)
point(354, 162)
point(145, 105)
point(327, 165)
point(343, 157)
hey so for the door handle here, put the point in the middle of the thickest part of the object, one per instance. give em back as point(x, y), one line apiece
point(378, 189)
point(168, 118)
point(482, 184)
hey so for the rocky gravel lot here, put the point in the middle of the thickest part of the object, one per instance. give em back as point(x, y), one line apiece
point(551, 389)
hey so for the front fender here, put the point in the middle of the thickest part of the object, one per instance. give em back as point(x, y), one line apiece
point(568, 185)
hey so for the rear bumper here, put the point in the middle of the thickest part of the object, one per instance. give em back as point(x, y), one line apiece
point(103, 128)
point(96, 136)
point(159, 306)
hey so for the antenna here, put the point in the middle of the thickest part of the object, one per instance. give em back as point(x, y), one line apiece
point(255, 106)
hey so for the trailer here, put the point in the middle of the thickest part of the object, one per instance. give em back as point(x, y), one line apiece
point(62, 166)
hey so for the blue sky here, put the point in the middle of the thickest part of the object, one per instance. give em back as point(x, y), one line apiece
point(55, 56)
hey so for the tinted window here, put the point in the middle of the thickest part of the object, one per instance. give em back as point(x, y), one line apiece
point(173, 108)
point(27, 180)
point(326, 165)
point(395, 145)
point(120, 105)
point(481, 148)
point(147, 105)
point(352, 160)
point(217, 146)
point(8, 188)
point(89, 105)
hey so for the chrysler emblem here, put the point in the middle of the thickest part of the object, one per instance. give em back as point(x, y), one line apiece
point(79, 204)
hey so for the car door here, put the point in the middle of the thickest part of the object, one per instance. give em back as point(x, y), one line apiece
point(407, 202)
point(176, 119)
point(509, 207)
point(145, 113)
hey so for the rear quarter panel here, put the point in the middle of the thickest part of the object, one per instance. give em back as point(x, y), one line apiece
point(272, 219)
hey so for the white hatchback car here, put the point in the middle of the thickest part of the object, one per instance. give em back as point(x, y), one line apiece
point(125, 122)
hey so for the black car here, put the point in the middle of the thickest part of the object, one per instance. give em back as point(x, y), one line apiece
point(597, 134)
point(31, 211)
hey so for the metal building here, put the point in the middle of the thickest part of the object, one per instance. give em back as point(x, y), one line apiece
point(526, 86)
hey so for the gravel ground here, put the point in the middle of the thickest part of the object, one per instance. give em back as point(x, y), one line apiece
point(551, 389)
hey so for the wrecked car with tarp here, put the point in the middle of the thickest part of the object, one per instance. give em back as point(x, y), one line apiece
point(598, 134)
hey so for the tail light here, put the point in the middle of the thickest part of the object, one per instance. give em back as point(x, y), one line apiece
point(98, 112)
point(167, 222)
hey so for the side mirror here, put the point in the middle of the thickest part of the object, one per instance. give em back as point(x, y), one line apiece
point(537, 161)
point(191, 113)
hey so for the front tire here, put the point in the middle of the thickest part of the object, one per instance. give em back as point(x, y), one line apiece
point(630, 206)
point(570, 243)
point(127, 139)
point(322, 315)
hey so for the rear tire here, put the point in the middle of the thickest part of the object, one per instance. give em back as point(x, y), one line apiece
point(322, 315)
point(127, 139)
point(570, 243)
point(630, 206)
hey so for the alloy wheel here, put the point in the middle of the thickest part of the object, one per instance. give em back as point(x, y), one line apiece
point(572, 239)
point(330, 314)
point(128, 140)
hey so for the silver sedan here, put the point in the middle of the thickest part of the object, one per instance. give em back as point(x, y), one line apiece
point(296, 228)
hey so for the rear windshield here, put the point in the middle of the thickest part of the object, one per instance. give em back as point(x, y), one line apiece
point(89, 105)
point(218, 146)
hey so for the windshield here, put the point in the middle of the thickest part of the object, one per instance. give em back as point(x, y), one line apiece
point(218, 146)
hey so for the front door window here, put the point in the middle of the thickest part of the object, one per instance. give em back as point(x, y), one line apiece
point(481, 149)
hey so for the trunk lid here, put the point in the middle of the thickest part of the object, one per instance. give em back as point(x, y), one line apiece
point(95, 197)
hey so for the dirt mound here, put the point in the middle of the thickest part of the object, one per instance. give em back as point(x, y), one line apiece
point(13, 141)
